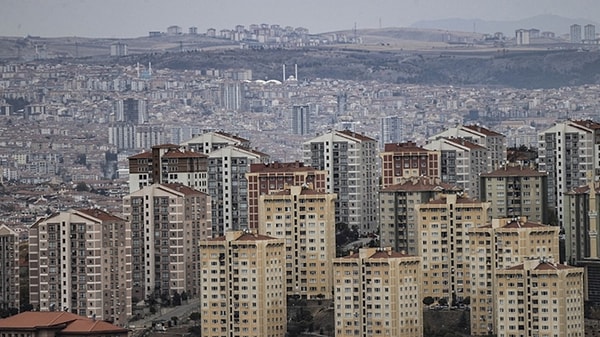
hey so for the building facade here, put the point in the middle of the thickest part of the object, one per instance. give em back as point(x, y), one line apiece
point(80, 262)
point(273, 177)
point(568, 151)
point(211, 141)
point(514, 190)
point(243, 286)
point(575, 31)
point(461, 162)
point(168, 163)
point(405, 160)
point(350, 160)
point(539, 298)
point(494, 247)
point(301, 119)
point(9, 269)
point(377, 293)
point(228, 186)
point(167, 222)
point(305, 219)
point(391, 130)
point(398, 210)
point(443, 226)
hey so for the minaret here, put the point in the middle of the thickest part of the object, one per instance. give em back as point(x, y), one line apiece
point(593, 216)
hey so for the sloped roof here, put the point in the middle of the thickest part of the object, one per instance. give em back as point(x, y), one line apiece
point(31, 320)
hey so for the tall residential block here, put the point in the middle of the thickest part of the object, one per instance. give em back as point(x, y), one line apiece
point(131, 110)
point(243, 289)
point(391, 130)
point(377, 293)
point(499, 245)
point(589, 34)
point(168, 163)
point(305, 219)
point(266, 178)
point(228, 186)
point(80, 262)
point(493, 141)
point(405, 160)
point(167, 222)
point(350, 160)
point(581, 235)
point(443, 233)
point(514, 190)
point(461, 162)
point(9, 269)
point(300, 120)
point(568, 151)
point(575, 32)
point(398, 215)
point(539, 298)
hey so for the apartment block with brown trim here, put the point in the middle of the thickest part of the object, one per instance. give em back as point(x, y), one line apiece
point(266, 178)
point(9, 269)
point(400, 161)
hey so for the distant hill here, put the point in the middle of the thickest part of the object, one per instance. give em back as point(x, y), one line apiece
point(552, 23)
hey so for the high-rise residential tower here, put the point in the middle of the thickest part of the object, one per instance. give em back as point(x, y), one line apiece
point(80, 262)
point(378, 293)
point(305, 219)
point(167, 222)
point(243, 289)
point(350, 160)
point(273, 177)
point(497, 246)
point(301, 119)
point(405, 160)
point(398, 210)
point(515, 190)
point(9, 269)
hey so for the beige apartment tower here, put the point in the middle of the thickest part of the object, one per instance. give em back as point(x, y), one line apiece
point(9, 269)
point(305, 219)
point(443, 225)
point(243, 286)
point(167, 222)
point(497, 246)
point(539, 298)
point(377, 294)
point(80, 262)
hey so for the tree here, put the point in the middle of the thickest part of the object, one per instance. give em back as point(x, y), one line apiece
point(443, 301)
point(428, 300)
point(176, 298)
point(82, 187)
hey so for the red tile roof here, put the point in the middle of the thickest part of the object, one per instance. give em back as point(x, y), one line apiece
point(181, 188)
point(465, 143)
point(356, 136)
point(176, 153)
point(100, 214)
point(143, 155)
point(483, 130)
point(31, 320)
point(404, 147)
point(280, 167)
point(420, 184)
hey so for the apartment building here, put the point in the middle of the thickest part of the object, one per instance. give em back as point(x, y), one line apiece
point(168, 163)
point(305, 219)
point(461, 162)
point(228, 186)
point(350, 160)
point(493, 141)
point(211, 141)
point(398, 210)
point(568, 151)
point(516, 190)
point(539, 298)
point(499, 245)
point(243, 290)
point(9, 269)
point(404, 160)
point(167, 222)
point(80, 262)
point(377, 293)
point(266, 178)
point(581, 235)
point(443, 226)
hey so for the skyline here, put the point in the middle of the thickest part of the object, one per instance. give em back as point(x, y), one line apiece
point(135, 18)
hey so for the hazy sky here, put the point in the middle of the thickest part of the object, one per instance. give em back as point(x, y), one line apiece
point(133, 18)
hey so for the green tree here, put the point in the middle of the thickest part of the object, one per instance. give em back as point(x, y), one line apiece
point(428, 300)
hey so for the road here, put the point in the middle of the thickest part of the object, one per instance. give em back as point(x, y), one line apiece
point(182, 312)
